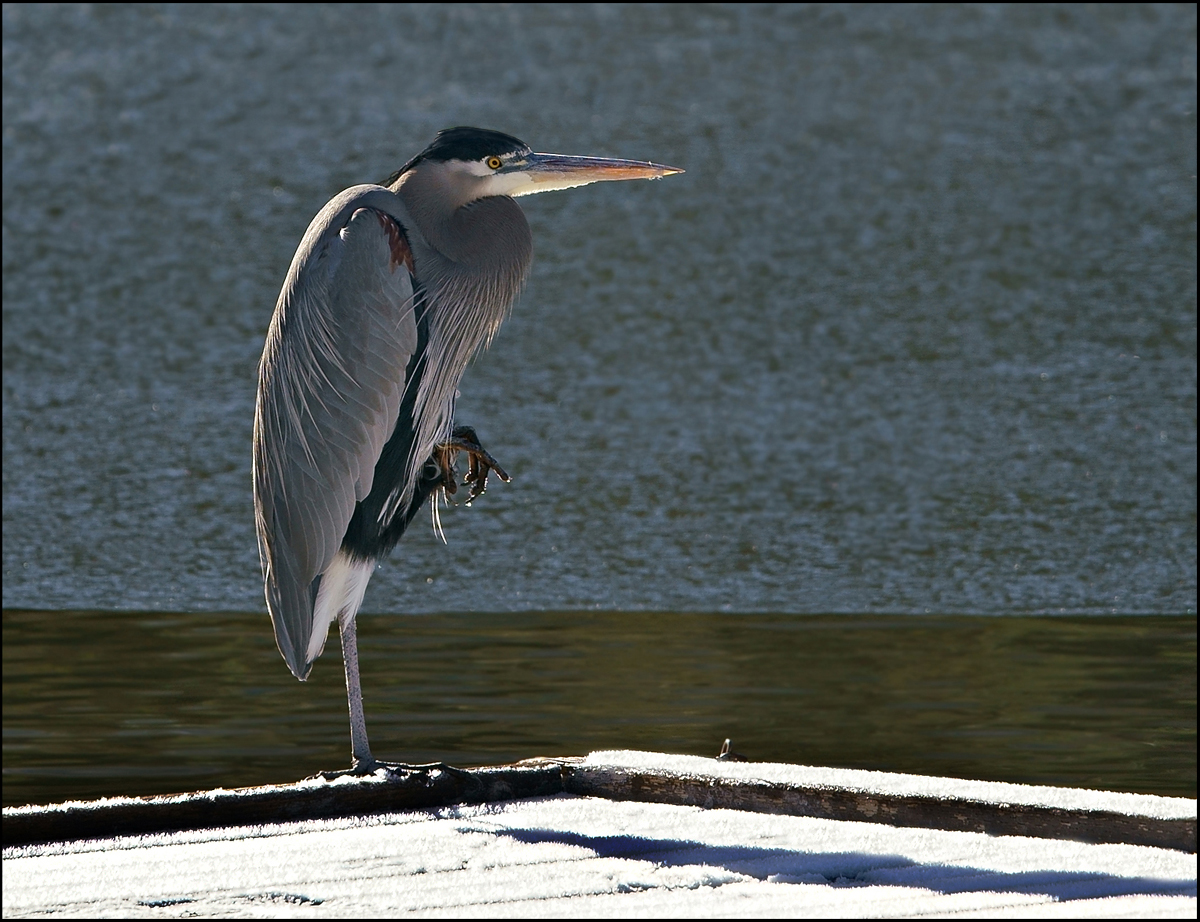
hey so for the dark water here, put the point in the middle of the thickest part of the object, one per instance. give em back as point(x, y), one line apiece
point(915, 333)
point(100, 703)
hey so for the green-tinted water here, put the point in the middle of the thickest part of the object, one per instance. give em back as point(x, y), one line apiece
point(102, 704)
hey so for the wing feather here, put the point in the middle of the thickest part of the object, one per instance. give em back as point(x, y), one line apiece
point(330, 387)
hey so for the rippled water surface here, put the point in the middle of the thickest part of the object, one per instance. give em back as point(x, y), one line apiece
point(915, 332)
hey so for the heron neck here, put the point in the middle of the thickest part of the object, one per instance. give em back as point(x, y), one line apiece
point(486, 235)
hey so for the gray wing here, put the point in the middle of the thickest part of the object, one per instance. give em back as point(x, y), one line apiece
point(329, 391)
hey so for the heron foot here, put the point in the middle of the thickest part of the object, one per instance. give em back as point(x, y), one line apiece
point(358, 770)
point(464, 439)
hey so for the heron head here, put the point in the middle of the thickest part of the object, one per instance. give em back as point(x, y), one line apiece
point(479, 163)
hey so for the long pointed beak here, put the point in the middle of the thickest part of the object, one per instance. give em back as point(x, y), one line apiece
point(547, 172)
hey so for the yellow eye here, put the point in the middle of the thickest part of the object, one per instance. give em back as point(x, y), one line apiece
point(494, 163)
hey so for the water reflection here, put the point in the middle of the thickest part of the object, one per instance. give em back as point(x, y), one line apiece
point(99, 704)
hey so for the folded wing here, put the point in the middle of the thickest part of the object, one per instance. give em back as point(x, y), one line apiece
point(330, 387)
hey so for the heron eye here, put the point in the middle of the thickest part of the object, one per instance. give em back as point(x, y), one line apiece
point(494, 163)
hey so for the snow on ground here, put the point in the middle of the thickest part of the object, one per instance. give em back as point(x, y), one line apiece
point(893, 783)
point(569, 856)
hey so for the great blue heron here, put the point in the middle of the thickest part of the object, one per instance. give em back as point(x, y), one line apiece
point(390, 293)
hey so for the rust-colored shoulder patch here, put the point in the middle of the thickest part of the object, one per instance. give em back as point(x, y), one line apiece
point(397, 242)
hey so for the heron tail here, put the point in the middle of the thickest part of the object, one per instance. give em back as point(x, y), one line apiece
point(337, 594)
point(302, 612)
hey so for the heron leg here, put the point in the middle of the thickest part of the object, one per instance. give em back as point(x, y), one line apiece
point(464, 439)
point(363, 762)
